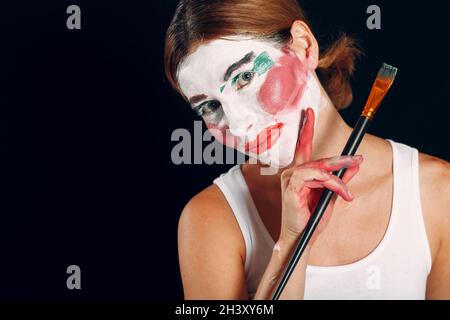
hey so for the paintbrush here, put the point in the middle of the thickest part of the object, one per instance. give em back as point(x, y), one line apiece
point(380, 88)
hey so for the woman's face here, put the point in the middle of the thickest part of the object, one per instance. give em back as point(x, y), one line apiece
point(251, 95)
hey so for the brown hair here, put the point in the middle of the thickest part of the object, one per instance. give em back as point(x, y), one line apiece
point(199, 21)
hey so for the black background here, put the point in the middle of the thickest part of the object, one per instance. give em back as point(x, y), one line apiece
point(86, 118)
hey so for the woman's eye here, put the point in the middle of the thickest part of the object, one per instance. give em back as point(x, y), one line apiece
point(208, 108)
point(211, 106)
point(244, 79)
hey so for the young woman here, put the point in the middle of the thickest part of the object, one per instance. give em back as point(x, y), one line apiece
point(251, 69)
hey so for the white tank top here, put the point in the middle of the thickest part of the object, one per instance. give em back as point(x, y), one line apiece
point(397, 269)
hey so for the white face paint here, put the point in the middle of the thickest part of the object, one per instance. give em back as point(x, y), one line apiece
point(257, 109)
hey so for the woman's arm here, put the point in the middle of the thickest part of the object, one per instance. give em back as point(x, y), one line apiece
point(435, 194)
point(438, 286)
point(211, 249)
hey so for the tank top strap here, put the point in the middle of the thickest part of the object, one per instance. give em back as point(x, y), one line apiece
point(409, 223)
point(234, 189)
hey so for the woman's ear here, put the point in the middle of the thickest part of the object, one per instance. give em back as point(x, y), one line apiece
point(304, 44)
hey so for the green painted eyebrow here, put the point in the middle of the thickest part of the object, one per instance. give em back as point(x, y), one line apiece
point(246, 59)
point(261, 65)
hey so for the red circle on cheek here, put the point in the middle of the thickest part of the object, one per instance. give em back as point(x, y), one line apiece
point(284, 85)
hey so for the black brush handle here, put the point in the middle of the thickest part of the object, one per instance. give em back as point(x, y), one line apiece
point(350, 149)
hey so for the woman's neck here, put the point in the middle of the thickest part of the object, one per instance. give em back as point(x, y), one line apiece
point(331, 131)
point(331, 135)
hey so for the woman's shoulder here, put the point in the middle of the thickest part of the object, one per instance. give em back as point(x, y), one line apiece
point(208, 217)
point(210, 252)
point(209, 203)
point(434, 177)
point(433, 166)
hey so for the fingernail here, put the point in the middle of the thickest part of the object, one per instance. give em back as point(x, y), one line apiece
point(350, 194)
point(359, 158)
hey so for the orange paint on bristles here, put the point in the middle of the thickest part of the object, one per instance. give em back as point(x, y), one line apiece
point(380, 88)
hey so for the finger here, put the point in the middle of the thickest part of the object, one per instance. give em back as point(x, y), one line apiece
point(350, 173)
point(336, 163)
point(301, 176)
point(313, 177)
point(304, 144)
point(335, 184)
point(339, 189)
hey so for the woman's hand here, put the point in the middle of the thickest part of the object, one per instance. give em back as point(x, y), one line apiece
point(302, 184)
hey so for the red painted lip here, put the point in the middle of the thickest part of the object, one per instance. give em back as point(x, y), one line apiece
point(265, 139)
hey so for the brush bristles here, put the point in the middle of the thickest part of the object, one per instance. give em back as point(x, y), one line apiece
point(383, 83)
point(387, 73)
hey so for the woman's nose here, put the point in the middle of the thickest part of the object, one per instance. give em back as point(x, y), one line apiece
point(240, 118)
